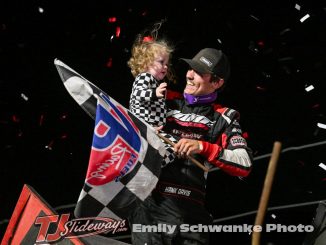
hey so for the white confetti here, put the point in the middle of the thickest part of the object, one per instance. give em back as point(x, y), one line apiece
point(321, 125)
point(254, 17)
point(304, 18)
point(24, 96)
point(309, 88)
point(323, 166)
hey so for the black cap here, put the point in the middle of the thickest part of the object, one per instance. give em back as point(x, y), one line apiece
point(212, 61)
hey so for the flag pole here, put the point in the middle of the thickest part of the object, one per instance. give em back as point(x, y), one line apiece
point(266, 191)
point(190, 157)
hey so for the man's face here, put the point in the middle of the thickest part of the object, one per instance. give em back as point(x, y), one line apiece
point(200, 84)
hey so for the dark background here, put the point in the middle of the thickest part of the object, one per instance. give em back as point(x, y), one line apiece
point(45, 137)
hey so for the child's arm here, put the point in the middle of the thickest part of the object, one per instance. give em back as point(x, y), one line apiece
point(142, 89)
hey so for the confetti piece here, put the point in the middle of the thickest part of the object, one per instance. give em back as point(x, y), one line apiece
point(112, 19)
point(273, 216)
point(49, 146)
point(19, 134)
point(64, 136)
point(109, 63)
point(285, 58)
point(285, 31)
point(309, 88)
point(315, 106)
point(322, 165)
point(261, 88)
point(41, 120)
point(304, 18)
point(254, 17)
point(41, 10)
point(63, 117)
point(117, 31)
point(321, 125)
point(253, 47)
point(297, 7)
point(15, 118)
point(24, 96)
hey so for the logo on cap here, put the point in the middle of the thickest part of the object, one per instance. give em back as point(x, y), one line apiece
point(206, 61)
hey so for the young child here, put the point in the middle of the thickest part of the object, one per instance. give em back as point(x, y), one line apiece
point(149, 65)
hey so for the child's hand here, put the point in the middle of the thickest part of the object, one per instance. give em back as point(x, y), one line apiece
point(160, 90)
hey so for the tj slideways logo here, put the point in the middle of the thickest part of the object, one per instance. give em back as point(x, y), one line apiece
point(80, 227)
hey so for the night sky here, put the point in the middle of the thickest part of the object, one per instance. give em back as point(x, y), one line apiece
point(277, 51)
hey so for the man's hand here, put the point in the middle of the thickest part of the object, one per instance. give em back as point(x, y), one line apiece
point(158, 129)
point(186, 147)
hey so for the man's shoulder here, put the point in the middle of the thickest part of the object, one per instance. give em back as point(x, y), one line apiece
point(228, 114)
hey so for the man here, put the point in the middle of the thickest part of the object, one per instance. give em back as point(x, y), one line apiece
point(210, 134)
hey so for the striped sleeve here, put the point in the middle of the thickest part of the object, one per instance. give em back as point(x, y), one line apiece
point(231, 153)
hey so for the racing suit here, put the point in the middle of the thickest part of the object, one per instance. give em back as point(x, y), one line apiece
point(178, 199)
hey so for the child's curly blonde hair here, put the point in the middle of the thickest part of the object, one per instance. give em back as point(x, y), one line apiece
point(143, 54)
point(146, 48)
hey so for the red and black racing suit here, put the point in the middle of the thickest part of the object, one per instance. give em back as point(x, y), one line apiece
point(180, 193)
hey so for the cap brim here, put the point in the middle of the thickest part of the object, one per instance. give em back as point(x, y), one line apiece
point(196, 66)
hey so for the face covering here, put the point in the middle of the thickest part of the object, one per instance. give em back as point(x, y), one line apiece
point(200, 99)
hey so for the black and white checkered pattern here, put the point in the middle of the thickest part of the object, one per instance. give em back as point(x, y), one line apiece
point(143, 101)
point(144, 104)
point(169, 154)
point(115, 199)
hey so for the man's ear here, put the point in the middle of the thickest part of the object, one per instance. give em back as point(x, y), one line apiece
point(218, 83)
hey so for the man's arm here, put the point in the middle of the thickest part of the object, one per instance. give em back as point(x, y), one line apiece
point(230, 153)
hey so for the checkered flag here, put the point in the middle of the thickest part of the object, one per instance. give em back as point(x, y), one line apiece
point(126, 155)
